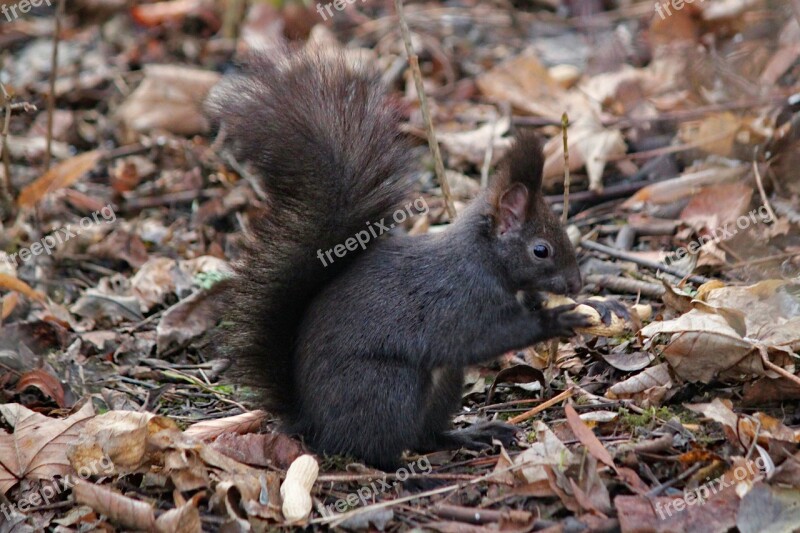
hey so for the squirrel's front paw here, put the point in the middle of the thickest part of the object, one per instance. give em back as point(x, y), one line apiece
point(562, 321)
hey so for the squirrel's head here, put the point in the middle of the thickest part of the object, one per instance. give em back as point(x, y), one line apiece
point(529, 238)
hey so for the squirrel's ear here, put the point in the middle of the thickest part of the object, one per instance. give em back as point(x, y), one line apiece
point(517, 181)
point(512, 208)
point(525, 161)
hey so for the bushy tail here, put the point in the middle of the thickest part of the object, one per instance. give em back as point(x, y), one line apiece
point(324, 139)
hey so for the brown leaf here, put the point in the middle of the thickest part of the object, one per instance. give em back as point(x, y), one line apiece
point(587, 437)
point(38, 447)
point(183, 519)
point(170, 97)
point(259, 449)
point(123, 437)
point(62, 175)
point(186, 320)
point(122, 510)
point(650, 379)
point(17, 285)
point(47, 383)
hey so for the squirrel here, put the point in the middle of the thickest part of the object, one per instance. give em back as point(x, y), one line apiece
point(364, 356)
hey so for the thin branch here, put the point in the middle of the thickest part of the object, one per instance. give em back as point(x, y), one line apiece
point(763, 194)
point(489, 154)
point(542, 406)
point(652, 265)
point(5, 182)
point(413, 60)
point(51, 98)
point(565, 211)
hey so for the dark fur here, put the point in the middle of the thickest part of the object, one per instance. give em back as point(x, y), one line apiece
point(366, 357)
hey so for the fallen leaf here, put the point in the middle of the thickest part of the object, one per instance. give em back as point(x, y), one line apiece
point(587, 437)
point(170, 98)
point(186, 320)
point(244, 423)
point(121, 437)
point(45, 382)
point(17, 285)
point(62, 175)
point(37, 449)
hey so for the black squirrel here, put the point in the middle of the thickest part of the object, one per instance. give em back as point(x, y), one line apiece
point(365, 356)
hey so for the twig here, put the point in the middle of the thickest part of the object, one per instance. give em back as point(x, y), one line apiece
point(542, 406)
point(775, 368)
point(389, 503)
point(565, 210)
point(762, 192)
point(51, 98)
point(625, 256)
point(232, 18)
point(5, 187)
point(618, 284)
point(487, 158)
point(413, 60)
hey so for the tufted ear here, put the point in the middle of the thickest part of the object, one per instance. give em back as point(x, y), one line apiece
point(512, 208)
point(517, 181)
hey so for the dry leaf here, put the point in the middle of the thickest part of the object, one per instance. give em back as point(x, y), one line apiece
point(652, 383)
point(121, 437)
point(124, 511)
point(170, 98)
point(45, 382)
point(587, 437)
point(525, 83)
point(241, 424)
point(38, 447)
point(60, 176)
point(186, 320)
point(17, 285)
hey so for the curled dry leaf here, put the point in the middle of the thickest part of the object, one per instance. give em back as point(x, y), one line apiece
point(45, 382)
point(525, 83)
point(126, 512)
point(123, 437)
point(471, 146)
point(650, 385)
point(169, 98)
point(210, 429)
point(38, 447)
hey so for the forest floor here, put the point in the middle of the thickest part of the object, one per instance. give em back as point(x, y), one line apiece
point(684, 205)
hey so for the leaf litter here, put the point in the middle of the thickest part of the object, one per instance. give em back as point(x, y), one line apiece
point(117, 416)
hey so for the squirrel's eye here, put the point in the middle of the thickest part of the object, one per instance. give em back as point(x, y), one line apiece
point(542, 251)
